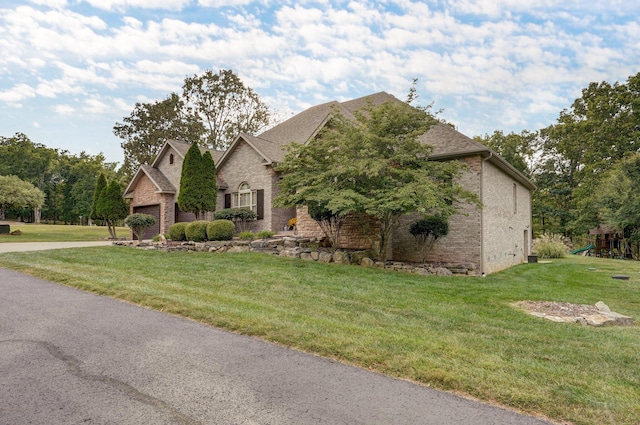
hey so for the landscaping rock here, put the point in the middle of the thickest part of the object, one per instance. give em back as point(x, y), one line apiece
point(587, 315)
point(367, 262)
point(341, 257)
point(239, 248)
point(306, 256)
point(442, 271)
point(325, 257)
point(315, 255)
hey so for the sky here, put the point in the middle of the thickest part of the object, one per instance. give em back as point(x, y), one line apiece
point(71, 69)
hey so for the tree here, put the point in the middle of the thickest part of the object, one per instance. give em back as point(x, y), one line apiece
point(198, 187)
point(101, 184)
point(374, 166)
point(588, 139)
point(617, 200)
point(17, 193)
point(150, 125)
point(139, 224)
point(111, 207)
point(225, 105)
point(518, 149)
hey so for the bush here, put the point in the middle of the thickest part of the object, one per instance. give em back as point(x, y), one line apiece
point(550, 247)
point(196, 231)
point(247, 236)
point(265, 234)
point(176, 232)
point(221, 230)
point(241, 217)
point(139, 223)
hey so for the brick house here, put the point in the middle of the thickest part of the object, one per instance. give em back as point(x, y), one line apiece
point(490, 238)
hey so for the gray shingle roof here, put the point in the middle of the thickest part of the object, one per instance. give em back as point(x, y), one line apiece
point(157, 178)
point(446, 141)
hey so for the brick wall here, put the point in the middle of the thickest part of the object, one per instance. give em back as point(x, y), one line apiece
point(506, 220)
point(352, 235)
point(463, 243)
point(145, 195)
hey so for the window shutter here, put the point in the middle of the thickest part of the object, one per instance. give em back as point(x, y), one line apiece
point(260, 204)
point(227, 200)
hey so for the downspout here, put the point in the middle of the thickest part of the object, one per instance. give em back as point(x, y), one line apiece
point(482, 260)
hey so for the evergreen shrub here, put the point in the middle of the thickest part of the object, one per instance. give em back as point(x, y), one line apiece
point(220, 230)
point(176, 232)
point(196, 231)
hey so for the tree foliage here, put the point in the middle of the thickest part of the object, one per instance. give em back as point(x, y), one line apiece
point(111, 207)
point(17, 193)
point(374, 166)
point(139, 224)
point(599, 129)
point(198, 187)
point(225, 105)
point(66, 180)
point(150, 125)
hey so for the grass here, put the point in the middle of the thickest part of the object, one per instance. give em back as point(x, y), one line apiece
point(60, 233)
point(453, 333)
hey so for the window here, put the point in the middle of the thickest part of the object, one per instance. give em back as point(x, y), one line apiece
point(515, 198)
point(171, 159)
point(245, 197)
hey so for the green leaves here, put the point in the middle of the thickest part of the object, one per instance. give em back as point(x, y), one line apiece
point(16, 193)
point(198, 186)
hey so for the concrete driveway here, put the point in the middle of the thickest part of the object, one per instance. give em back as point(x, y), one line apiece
point(70, 357)
point(40, 246)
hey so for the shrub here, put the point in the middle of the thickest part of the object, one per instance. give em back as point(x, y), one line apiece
point(220, 230)
point(139, 223)
point(176, 232)
point(265, 234)
point(196, 231)
point(241, 217)
point(247, 236)
point(427, 230)
point(549, 247)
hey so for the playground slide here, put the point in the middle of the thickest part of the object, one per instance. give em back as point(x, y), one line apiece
point(586, 248)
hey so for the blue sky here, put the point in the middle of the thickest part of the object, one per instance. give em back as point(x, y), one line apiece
point(71, 69)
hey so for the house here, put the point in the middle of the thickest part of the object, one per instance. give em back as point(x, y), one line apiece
point(488, 238)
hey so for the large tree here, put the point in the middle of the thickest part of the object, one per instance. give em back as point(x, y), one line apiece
point(617, 199)
point(198, 187)
point(374, 166)
point(225, 105)
point(150, 125)
point(17, 193)
point(587, 140)
point(111, 207)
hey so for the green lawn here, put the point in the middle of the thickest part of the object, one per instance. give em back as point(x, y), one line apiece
point(60, 233)
point(453, 333)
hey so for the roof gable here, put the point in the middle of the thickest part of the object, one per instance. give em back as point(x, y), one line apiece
point(181, 149)
point(160, 181)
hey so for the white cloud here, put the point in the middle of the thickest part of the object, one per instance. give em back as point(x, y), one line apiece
point(64, 109)
point(17, 94)
point(121, 5)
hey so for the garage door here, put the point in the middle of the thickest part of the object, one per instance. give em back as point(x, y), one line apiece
point(153, 210)
point(183, 216)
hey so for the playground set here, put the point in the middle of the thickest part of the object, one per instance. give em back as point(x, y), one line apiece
point(608, 243)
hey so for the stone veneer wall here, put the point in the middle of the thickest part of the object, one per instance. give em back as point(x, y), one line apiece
point(307, 249)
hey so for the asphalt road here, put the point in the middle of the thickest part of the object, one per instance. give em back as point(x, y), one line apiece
point(70, 357)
